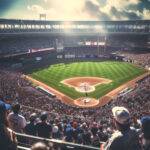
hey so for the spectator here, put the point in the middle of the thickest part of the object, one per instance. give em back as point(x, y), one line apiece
point(86, 136)
point(43, 128)
point(75, 132)
point(17, 122)
point(55, 132)
point(7, 136)
point(124, 138)
point(13, 85)
point(31, 126)
point(95, 138)
point(103, 135)
point(69, 133)
point(39, 146)
point(146, 132)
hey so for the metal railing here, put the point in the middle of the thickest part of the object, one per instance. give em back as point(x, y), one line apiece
point(25, 141)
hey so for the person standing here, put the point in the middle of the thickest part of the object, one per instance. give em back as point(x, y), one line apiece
point(8, 139)
point(30, 128)
point(125, 137)
point(44, 129)
point(40, 146)
point(17, 122)
point(145, 122)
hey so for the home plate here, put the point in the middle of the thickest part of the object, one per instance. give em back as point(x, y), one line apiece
point(86, 102)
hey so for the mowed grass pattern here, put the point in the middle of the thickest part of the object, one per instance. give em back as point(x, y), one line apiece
point(118, 72)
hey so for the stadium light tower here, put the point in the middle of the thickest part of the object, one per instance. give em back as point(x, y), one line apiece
point(67, 26)
point(42, 16)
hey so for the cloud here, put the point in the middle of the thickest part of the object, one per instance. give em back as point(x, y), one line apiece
point(118, 9)
point(143, 4)
point(131, 15)
point(35, 8)
point(94, 11)
point(91, 9)
point(61, 9)
point(120, 4)
point(146, 14)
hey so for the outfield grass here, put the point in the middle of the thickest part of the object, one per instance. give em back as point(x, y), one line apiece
point(118, 72)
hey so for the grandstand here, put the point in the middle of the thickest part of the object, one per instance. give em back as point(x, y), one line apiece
point(134, 34)
point(76, 27)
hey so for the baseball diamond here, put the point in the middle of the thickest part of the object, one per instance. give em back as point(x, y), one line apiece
point(75, 79)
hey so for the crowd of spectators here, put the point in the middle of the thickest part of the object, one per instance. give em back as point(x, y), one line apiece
point(48, 117)
point(139, 59)
point(17, 44)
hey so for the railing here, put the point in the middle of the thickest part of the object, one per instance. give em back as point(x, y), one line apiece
point(25, 141)
point(22, 148)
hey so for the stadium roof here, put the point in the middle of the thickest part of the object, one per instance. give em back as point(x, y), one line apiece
point(73, 22)
point(75, 27)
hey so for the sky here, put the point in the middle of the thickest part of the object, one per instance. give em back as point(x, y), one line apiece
point(76, 9)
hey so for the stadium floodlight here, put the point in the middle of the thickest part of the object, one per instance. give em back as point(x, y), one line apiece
point(99, 29)
point(67, 25)
point(42, 16)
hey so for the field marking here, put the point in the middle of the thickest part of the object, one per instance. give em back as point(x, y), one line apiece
point(61, 96)
point(112, 94)
point(102, 101)
point(86, 102)
point(76, 83)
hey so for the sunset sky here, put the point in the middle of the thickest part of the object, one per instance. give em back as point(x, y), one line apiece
point(76, 9)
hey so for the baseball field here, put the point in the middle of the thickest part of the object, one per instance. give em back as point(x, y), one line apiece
point(110, 75)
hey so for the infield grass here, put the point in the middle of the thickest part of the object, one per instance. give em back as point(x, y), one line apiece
point(118, 72)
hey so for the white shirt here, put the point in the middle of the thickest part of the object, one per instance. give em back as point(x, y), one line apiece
point(17, 122)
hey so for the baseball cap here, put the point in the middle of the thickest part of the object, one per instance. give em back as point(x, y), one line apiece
point(145, 119)
point(55, 129)
point(44, 116)
point(4, 106)
point(121, 115)
point(33, 117)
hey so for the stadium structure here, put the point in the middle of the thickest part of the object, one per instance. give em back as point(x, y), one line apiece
point(98, 31)
point(82, 64)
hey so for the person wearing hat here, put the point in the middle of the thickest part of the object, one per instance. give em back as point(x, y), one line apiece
point(125, 137)
point(31, 126)
point(39, 146)
point(55, 132)
point(145, 123)
point(44, 129)
point(8, 139)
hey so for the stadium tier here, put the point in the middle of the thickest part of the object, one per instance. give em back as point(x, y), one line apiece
point(74, 27)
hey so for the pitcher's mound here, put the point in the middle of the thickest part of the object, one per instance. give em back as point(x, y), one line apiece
point(86, 102)
point(85, 88)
